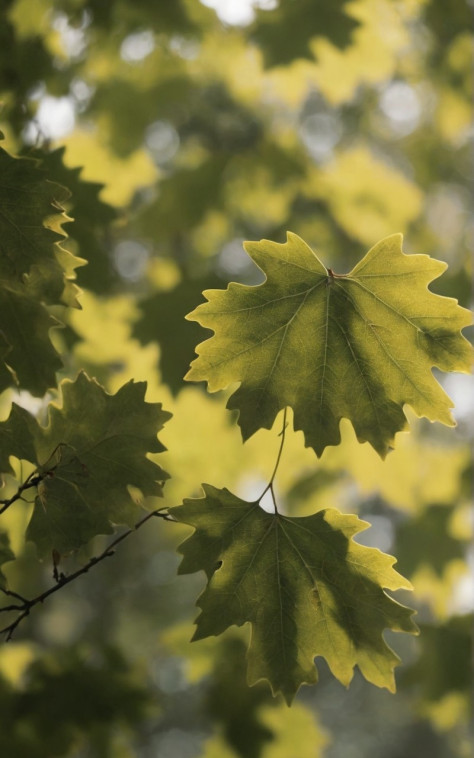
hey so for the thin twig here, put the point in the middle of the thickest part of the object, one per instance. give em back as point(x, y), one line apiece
point(35, 478)
point(26, 605)
point(277, 463)
point(31, 481)
point(10, 593)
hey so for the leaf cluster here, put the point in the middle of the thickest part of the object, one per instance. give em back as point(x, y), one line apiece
point(189, 133)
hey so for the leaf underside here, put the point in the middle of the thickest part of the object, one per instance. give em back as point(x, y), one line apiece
point(357, 346)
point(94, 447)
point(304, 585)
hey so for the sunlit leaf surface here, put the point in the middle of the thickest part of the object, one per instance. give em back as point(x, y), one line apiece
point(305, 586)
point(357, 346)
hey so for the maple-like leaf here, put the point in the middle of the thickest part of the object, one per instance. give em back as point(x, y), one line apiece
point(357, 346)
point(92, 449)
point(31, 218)
point(305, 586)
point(34, 272)
point(89, 228)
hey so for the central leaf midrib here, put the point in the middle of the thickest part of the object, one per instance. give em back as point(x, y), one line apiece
point(279, 592)
point(326, 335)
point(254, 555)
point(313, 579)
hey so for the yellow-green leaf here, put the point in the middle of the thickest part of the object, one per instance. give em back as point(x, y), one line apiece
point(305, 586)
point(357, 346)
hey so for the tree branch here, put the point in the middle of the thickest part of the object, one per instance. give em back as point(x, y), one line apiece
point(31, 481)
point(36, 477)
point(24, 606)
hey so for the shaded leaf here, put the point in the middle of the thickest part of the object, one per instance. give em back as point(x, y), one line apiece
point(444, 662)
point(357, 346)
point(94, 447)
point(34, 271)
point(185, 197)
point(290, 728)
point(305, 586)
point(233, 705)
point(91, 223)
point(31, 360)
point(31, 215)
point(6, 554)
point(17, 436)
point(163, 321)
point(72, 697)
point(285, 32)
point(6, 377)
point(427, 539)
point(171, 16)
point(446, 26)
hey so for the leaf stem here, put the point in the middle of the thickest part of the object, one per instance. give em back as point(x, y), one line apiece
point(277, 463)
point(24, 605)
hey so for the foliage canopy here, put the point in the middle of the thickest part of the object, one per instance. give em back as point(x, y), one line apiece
point(141, 144)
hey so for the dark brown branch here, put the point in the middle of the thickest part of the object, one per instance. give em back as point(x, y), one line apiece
point(34, 478)
point(24, 605)
point(31, 481)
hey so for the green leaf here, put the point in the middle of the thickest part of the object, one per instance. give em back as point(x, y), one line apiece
point(6, 554)
point(357, 346)
point(185, 198)
point(31, 215)
point(90, 227)
point(444, 664)
point(285, 32)
point(34, 272)
point(31, 360)
point(305, 586)
point(17, 435)
point(93, 448)
point(162, 320)
point(73, 696)
point(232, 704)
point(427, 539)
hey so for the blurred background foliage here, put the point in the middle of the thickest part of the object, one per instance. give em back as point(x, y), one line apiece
point(182, 128)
